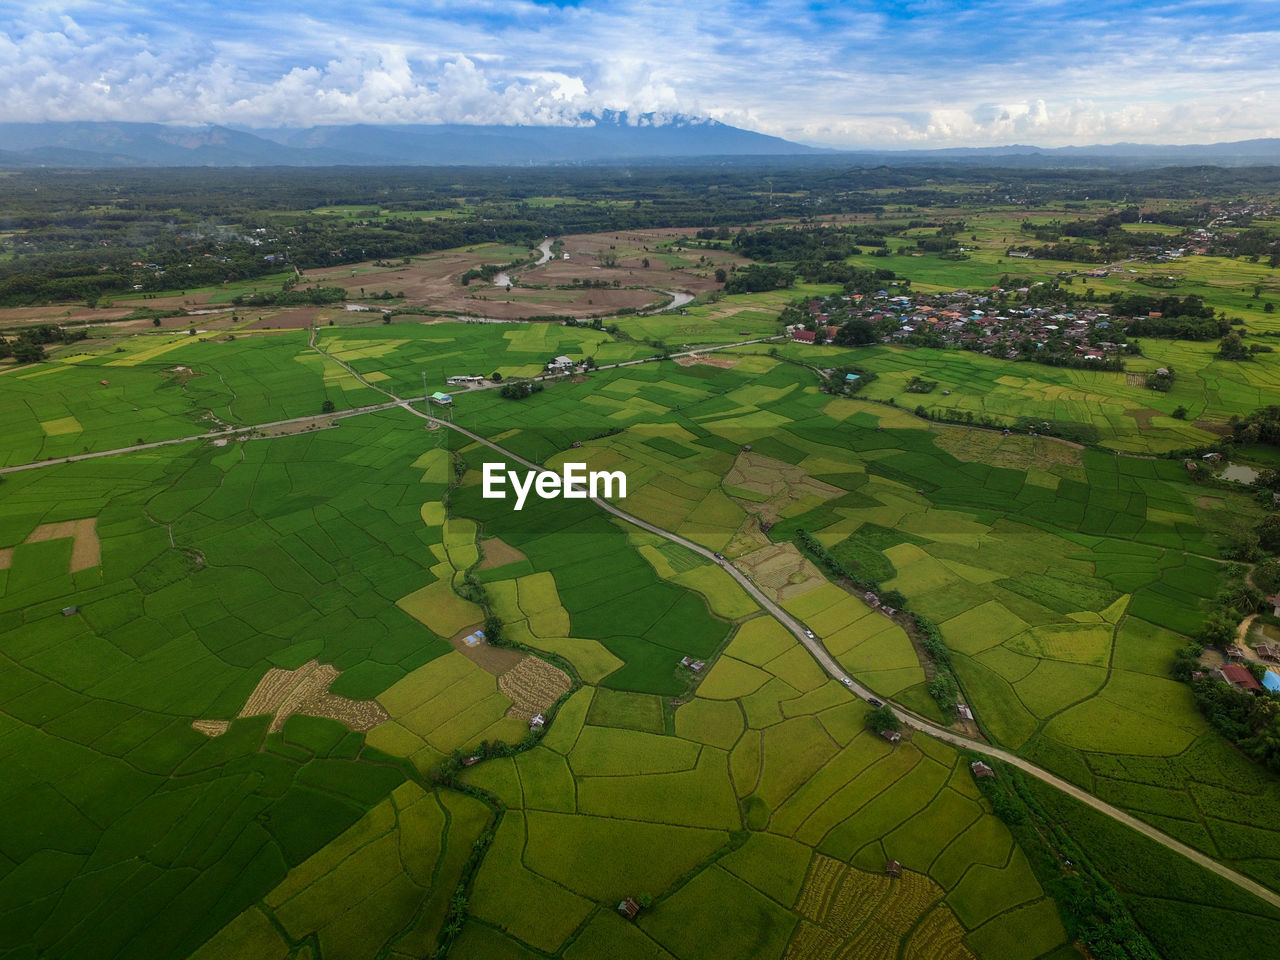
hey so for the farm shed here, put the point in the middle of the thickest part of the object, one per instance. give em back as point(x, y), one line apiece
point(1239, 677)
point(441, 399)
point(1275, 602)
point(892, 868)
point(1267, 651)
point(980, 770)
point(893, 736)
point(629, 908)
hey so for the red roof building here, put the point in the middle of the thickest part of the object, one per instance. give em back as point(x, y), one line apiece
point(803, 336)
point(1239, 677)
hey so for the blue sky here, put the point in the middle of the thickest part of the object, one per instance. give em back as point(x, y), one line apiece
point(922, 73)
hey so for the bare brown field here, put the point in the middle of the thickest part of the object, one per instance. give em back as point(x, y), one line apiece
point(59, 313)
point(360, 715)
point(1017, 451)
point(305, 690)
point(53, 531)
point(748, 537)
point(781, 571)
point(533, 685)
point(86, 550)
point(6, 558)
point(435, 279)
point(83, 533)
point(707, 359)
point(273, 687)
point(309, 688)
point(211, 728)
point(491, 659)
point(783, 483)
point(498, 553)
point(299, 318)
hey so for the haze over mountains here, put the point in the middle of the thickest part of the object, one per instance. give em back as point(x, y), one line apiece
point(610, 138)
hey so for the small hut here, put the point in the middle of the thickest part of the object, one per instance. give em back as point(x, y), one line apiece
point(892, 868)
point(980, 770)
point(629, 908)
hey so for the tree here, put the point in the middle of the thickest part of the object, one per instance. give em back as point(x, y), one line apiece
point(1269, 533)
point(496, 377)
point(1179, 413)
point(326, 407)
point(1231, 347)
point(26, 352)
point(1218, 631)
point(882, 718)
point(894, 598)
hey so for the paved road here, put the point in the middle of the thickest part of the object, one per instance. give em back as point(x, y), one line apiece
point(813, 645)
point(832, 667)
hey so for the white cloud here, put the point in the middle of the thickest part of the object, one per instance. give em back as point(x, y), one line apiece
point(864, 74)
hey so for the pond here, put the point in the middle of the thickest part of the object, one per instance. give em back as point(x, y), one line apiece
point(1239, 473)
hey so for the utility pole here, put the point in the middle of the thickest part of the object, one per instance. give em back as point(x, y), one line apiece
point(424, 387)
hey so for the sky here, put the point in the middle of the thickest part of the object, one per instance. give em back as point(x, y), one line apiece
point(913, 74)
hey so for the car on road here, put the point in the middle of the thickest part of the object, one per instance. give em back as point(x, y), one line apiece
point(846, 681)
point(809, 634)
point(874, 702)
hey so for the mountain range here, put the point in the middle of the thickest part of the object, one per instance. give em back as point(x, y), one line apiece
point(612, 137)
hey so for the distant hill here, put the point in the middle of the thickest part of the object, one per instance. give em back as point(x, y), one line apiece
point(611, 137)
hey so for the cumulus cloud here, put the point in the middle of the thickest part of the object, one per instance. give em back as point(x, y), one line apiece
point(865, 73)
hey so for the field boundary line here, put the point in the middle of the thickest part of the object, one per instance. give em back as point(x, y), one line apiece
point(832, 667)
point(229, 434)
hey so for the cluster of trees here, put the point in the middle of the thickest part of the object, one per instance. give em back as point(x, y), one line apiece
point(815, 244)
point(28, 346)
point(1175, 318)
point(857, 333)
point(314, 296)
point(1260, 426)
point(1232, 347)
point(1161, 380)
point(1072, 252)
point(758, 278)
point(520, 389)
point(1177, 327)
point(838, 381)
point(1250, 722)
